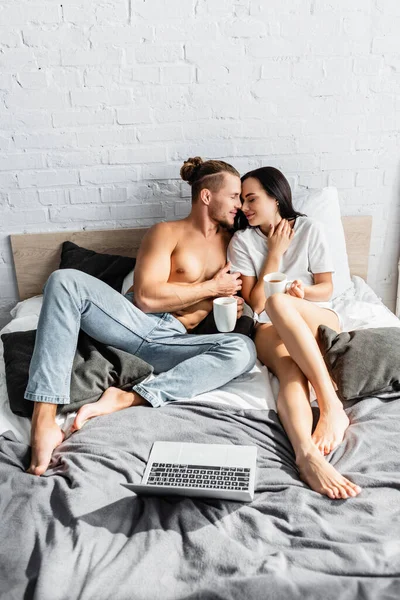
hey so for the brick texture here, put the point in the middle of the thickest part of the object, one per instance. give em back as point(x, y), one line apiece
point(101, 101)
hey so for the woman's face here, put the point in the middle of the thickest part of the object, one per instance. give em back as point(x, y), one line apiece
point(259, 208)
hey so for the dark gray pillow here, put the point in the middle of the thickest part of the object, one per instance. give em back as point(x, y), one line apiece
point(362, 363)
point(110, 268)
point(96, 367)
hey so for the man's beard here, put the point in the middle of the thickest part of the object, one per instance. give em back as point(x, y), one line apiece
point(225, 224)
point(222, 221)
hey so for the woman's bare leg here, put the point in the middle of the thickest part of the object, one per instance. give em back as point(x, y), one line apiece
point(295, 413)
point(297, 322)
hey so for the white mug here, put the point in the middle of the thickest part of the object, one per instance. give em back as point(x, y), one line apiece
point(275, 283)
point(225, 313)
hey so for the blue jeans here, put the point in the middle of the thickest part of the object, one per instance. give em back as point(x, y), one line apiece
point(185, 365)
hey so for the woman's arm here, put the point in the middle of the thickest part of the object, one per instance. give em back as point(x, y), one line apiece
point(253, 288)
point(321, 291)
point(320, 264)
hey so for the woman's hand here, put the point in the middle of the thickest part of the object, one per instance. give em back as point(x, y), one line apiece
point(296, 289)
point(279, 237)
point(240, 306)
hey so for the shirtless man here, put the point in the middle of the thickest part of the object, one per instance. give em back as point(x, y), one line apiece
point(181, 267)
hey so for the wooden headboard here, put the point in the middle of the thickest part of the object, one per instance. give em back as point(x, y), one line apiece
point(37, 255)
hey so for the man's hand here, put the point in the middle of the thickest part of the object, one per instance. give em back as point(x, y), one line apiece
point(227, 284)
point(296, 289)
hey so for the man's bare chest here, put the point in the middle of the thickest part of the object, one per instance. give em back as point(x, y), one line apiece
point(194, 262)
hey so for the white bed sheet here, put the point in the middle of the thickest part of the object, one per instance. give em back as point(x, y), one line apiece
point(359, 308)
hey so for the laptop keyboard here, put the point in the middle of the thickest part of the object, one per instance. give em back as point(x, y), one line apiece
point(199, 476)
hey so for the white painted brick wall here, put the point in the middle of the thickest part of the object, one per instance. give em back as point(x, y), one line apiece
point(101, 101)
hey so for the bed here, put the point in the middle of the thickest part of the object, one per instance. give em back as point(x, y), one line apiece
point(78, 533)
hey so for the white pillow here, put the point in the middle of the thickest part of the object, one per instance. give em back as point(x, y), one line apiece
point(26, 323)
point(128, 282)
point(323, 205)
point(27, 308)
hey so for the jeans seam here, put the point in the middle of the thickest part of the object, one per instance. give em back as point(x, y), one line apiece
point(162, 343)
point(120, 322)
point(77, 329)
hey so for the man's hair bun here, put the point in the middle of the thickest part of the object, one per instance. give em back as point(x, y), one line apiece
point(190, 168)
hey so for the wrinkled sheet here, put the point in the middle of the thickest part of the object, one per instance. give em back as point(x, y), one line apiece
point(78, 533)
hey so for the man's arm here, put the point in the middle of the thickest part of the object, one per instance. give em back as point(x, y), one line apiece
point(153, 293)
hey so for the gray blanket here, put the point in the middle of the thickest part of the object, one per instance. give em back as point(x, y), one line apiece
point(78, 533)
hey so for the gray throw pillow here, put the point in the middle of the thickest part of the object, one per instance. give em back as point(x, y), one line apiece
point(96, 367)
point(362, 363)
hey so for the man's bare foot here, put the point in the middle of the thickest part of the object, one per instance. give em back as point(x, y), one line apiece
point(111, 401)
point(45, 436)
point(330, 430)
point(322, 477)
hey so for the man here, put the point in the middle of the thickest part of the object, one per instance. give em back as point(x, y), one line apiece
point(181, 267)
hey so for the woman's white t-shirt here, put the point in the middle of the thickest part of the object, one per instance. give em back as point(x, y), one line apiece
point(307, 254)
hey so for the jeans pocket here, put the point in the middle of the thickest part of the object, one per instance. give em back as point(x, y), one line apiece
point(167, 326)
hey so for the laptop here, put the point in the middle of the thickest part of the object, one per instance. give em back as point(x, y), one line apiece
point(221, 471)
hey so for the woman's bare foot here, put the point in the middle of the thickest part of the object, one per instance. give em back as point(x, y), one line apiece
point(322, 477)
point(45, 436)
point(111, 401)
point(330, 430)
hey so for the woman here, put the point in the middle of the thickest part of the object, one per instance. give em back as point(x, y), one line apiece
point(280, 239)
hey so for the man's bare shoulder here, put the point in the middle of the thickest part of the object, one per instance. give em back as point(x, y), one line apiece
point(164, 234)
point(180, 230)
point(172, 230)
point(165, 227)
